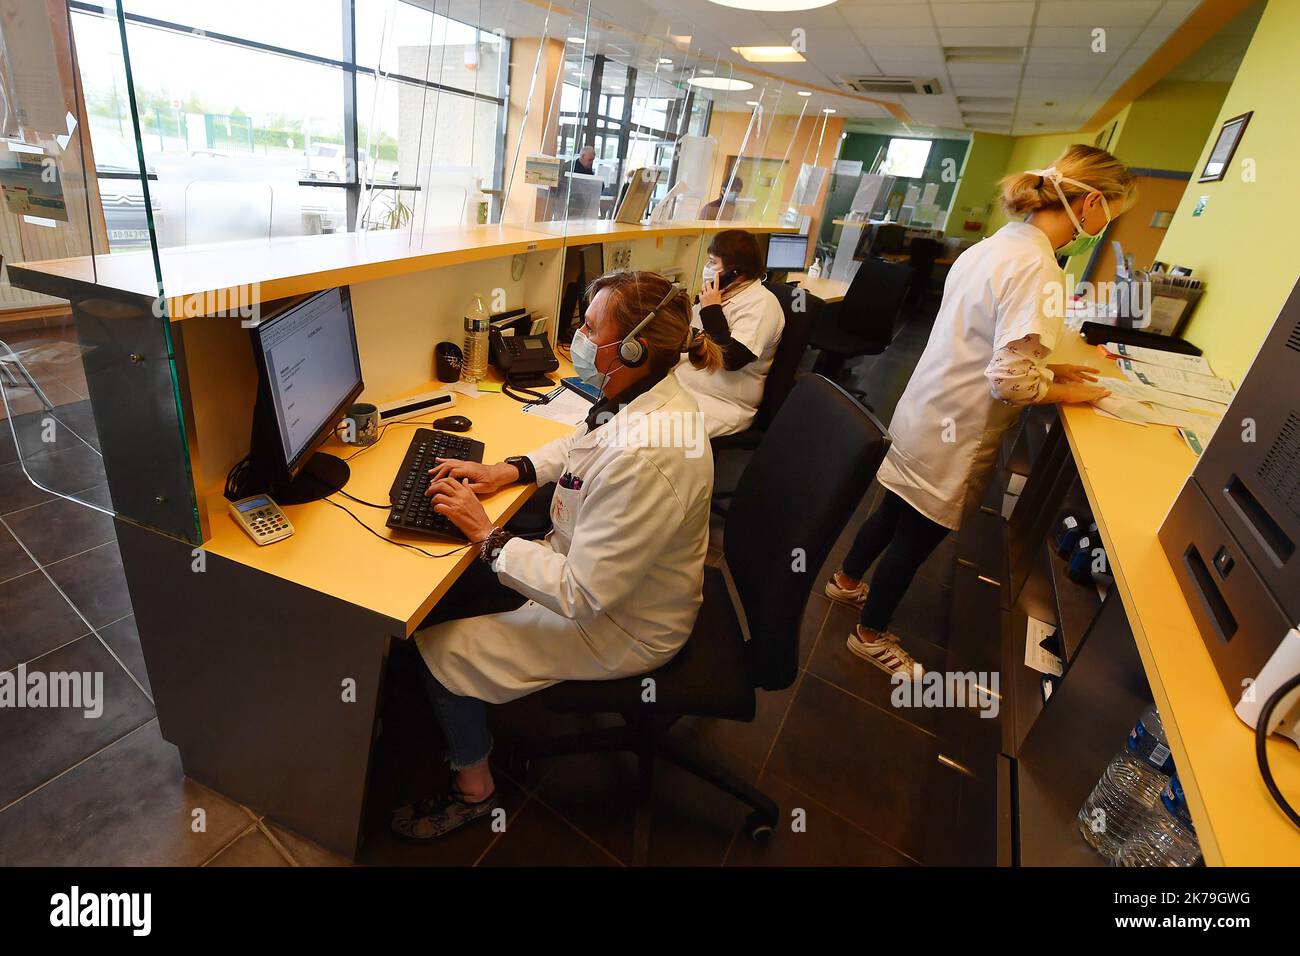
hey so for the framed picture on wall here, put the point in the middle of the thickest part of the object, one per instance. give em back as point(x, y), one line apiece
point(1216, 167)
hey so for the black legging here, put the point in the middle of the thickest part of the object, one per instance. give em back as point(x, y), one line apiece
point(907, 537)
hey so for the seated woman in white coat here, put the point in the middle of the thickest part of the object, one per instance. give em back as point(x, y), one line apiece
point(746, 321)
point(987, 359)
point(614, 589)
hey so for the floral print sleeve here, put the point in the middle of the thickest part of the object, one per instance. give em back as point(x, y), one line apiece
point(1018, 373)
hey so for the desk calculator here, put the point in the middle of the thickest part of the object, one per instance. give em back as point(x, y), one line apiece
point(261, 518)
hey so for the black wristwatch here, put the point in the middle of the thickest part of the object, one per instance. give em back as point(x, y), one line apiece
point(527, 473)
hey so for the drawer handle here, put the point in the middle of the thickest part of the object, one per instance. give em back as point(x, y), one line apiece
point(983, 579)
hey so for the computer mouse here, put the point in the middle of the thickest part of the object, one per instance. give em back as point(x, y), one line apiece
point(453, 423)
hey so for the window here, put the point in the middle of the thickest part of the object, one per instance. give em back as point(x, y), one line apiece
point(636, 122)
point(906, 158)
point(257, 120)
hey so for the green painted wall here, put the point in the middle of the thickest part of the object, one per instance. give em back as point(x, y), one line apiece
point(986, 163)
point(1167, 126)
point(1241, 246)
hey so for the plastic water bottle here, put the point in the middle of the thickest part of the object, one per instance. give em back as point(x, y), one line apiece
point(474, 365)
point(815, 270)
point(1129, 788)
point(1167, 837)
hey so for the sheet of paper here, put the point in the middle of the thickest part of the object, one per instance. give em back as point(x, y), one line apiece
point(1195, 364)
point(561, 405)
point(1136, 391)
point(1043, 661)
point(1124, 409)
point(1172, 380)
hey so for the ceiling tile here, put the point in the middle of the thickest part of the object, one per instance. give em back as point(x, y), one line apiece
point(888, 15)
point(983, 14)
point(1098, 13)
point(1152, 38)
point(1117, 38)
point(966, 72)
point(1059, 55)
point(1175, 12)
point(905, 59)
point(897, 36)
point(984, 36)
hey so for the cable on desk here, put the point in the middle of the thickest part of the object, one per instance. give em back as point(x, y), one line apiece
point(399, 544)
point(1261, 753)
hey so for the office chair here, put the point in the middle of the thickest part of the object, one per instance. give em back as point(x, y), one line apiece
point(923, 254)
point(839, 446)
point(864, 322)
point(780, 377)
point(785, 363)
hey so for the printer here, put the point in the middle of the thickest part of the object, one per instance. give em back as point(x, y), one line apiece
point(1233, 534)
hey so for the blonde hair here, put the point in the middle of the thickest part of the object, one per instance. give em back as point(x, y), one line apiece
point(631, 297)
point(1027, 192)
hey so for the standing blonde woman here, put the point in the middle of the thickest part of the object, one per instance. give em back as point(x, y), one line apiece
point(987, 359)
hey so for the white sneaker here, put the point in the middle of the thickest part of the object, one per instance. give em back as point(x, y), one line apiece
point(885, 653)
point(856, 596)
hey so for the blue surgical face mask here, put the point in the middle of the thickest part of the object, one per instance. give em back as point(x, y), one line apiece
point(583, 353)
point(710, 274)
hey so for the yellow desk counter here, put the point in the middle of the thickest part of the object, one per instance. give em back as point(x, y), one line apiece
point(827, 289)
point(201, 279)
point(330, 553)
point(1131, 475)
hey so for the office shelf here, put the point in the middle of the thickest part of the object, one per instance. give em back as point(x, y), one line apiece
point(1076, 605)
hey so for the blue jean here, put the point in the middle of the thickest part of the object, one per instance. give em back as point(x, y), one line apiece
point(463, 721)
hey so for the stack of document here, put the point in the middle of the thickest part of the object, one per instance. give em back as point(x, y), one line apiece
point(1164, 388)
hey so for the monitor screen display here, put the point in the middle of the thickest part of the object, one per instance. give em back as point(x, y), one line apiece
point(787, 253)
point(310, 356)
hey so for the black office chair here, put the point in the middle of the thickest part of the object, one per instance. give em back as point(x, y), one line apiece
point(865, 321)
point(799, 324)
point(839, 446)
point(923, 255)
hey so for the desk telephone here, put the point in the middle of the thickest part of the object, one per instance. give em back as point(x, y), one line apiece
point(523, 359)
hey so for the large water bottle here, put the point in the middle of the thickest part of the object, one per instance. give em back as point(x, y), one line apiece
point(473, 366)
point(1167, 837)
point(1129, 788)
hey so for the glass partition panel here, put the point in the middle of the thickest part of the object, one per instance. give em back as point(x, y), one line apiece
point(88, 382)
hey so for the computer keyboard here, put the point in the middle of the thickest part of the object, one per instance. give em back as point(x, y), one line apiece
point(412, 511)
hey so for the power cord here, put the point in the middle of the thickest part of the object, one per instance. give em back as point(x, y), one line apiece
point(1261, 752)
point(401, 544)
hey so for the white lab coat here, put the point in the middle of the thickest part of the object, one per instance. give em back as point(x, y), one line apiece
point(615, 587)
point(948, 426)
point(729, 399)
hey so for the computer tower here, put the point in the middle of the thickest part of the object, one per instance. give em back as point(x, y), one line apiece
point(1232, 534)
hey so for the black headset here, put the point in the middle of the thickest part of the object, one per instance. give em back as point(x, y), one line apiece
point(632, 350)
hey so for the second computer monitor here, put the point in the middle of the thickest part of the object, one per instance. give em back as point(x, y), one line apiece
point(786, 253)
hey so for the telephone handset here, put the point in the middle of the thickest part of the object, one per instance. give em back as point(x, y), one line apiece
point(523, 359)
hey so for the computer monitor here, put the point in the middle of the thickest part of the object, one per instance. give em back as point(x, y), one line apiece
point(309, 372)
point(786, 253)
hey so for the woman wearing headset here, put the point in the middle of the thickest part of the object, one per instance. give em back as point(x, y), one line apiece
point(1000, 318)
point(613, 590)
point(738, 313)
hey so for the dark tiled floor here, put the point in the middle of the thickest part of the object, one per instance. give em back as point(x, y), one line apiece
point(859, 781)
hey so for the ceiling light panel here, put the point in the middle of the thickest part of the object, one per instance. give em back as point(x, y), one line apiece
point(770, 54)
